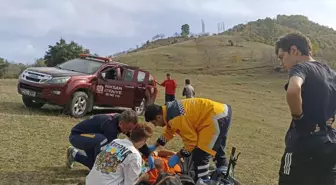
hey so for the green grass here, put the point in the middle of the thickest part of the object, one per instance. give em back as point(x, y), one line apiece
point(34, 142)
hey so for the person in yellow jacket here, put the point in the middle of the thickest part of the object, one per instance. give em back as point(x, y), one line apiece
point(203, 125)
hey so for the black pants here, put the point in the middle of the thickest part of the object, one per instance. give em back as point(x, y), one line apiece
point(91, 144)
point(169, 97)
point(306, 165)
point(201, 158)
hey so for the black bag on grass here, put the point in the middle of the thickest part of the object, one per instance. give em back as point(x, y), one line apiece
point(186, 177)
point(168, 179)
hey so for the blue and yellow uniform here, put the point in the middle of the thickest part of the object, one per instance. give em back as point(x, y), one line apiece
point(203, 125)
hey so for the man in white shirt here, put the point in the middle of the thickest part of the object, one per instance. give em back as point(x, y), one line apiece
point(120, 162)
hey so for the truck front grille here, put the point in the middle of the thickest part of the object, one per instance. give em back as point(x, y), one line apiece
point(35, 77)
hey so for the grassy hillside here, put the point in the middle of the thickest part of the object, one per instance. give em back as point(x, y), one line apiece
point(253, 50)
point(205, 55)
point(268, 30)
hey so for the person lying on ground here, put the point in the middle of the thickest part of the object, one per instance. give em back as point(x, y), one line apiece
point(161, 158)
point(203, 125)
point(94, 133)
point(120, 162)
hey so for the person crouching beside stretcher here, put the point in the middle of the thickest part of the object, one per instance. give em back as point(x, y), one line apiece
point(203, 125)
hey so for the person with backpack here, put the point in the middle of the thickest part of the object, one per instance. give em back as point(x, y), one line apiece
point(92, 134)
point(203, 125)
point(310, 152)
point(120, 162)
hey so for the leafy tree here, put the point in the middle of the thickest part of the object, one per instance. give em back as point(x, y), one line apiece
point(62, 52)
point(39, 63)
point(268, 30)
point(185, 30)
point(158, 36)
point(315, 48)
point(3, 67)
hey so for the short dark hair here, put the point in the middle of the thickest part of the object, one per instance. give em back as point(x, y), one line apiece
point(187, 81)
point(129, 116)
point(299, 40)
point(167, 74)
point(151, 111)
point(141, 131)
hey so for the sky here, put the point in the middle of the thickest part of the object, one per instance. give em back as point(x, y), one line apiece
point(109, 26)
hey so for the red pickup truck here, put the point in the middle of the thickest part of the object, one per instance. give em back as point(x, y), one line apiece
point(86, 82)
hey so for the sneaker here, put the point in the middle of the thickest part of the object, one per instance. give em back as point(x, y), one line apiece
point(222, 169)
point(206, 182)
point(70, 159)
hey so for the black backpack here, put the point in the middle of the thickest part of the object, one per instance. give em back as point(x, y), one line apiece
point(174, 179)
point(168, 179)
point(186, 177)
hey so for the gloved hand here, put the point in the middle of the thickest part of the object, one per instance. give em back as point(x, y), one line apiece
point(151, 148)
point(151, 162)
point(173, 160)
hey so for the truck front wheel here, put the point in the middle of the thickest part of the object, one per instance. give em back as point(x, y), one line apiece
point(79, 104)
point(31, 102)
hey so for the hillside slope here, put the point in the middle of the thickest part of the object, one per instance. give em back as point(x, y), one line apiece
point(268, 30)
point(210, 55)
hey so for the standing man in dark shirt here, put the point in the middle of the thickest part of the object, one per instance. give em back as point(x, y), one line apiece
point(170, 88)
point(93, 134)
point(310, 155)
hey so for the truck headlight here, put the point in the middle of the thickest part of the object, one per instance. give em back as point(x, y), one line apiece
point(22, 75)
point(58, 80)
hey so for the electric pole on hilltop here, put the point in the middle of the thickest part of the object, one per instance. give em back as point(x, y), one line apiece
point(203, 26)
point(221, 27)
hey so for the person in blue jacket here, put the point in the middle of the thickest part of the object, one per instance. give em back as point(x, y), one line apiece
point(91, 135)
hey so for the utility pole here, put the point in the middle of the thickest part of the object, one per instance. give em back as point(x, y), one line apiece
point(221, 27)
point(203, 26)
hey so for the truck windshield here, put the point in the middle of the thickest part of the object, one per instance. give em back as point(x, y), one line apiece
point(81, 65)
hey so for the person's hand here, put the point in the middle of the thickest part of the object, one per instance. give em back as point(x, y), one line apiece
point(173, 160)
point(151, 148)
point(151, 162)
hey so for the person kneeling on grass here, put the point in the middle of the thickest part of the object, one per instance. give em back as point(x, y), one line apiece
point(120, 163)
point(203, 125)
point(92, 134)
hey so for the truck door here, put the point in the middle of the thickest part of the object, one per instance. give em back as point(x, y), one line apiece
point(109, 87)
point(128, 87)
point(141, 86)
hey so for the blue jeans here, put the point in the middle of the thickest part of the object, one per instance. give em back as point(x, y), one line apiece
point(169, 97)
point(91, 144)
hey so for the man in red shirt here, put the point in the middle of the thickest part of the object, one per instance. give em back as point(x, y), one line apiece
point(170, 86)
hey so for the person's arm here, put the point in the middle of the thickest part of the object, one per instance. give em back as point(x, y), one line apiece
point(175, 84)
point(118, 74)
point(132, 170)
point(163, 84)
point(143, 178)
point(184, 91)
point(297, 75)
point(144, 150)
point(167, 135)
point(165, 153)
point(186, 130)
